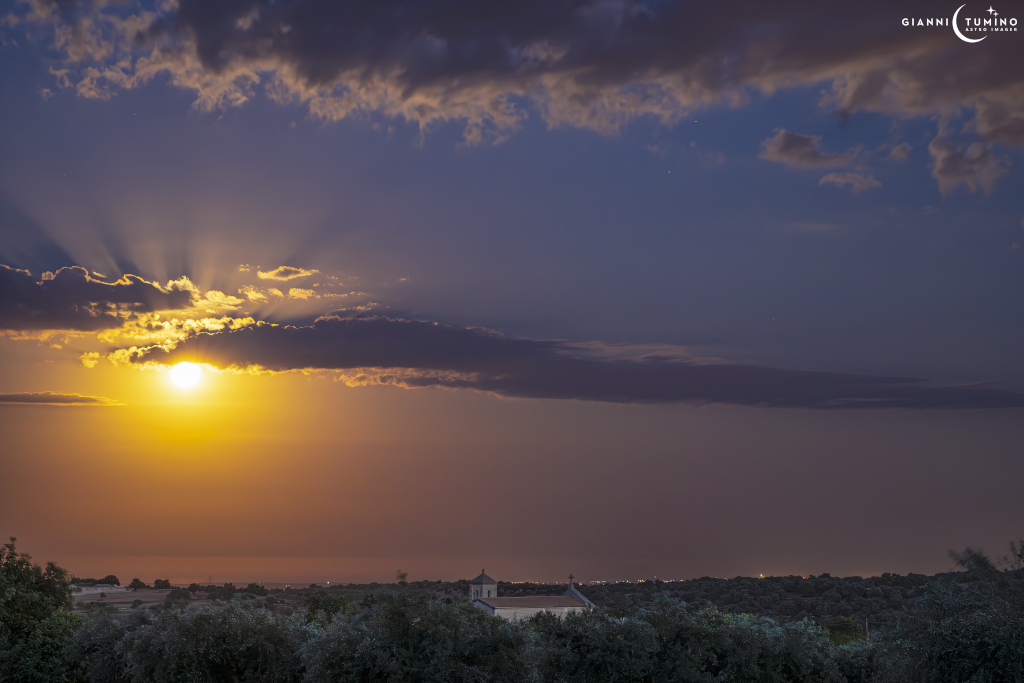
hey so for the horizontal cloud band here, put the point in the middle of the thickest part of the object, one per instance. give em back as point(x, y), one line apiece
point(421, 354)
point(49, 398)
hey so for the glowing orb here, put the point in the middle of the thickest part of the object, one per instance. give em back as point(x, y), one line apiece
point(186, 375)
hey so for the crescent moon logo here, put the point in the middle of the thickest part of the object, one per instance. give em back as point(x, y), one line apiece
point(956, 29)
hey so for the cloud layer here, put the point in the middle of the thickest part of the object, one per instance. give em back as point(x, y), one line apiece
point(381, 350)
point(595, 64)
point(71, 299)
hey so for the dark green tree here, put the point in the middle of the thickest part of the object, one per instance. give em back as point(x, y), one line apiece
point(323, 606)
point(420, 638)
point(255, 589)
point(1015, 560)
point(230, 644)
point(177, 597)
point(36, 622)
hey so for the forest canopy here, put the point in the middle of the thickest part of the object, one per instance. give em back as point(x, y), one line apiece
point(966, 625)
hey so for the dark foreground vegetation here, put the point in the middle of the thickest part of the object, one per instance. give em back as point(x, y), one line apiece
point(961, 626)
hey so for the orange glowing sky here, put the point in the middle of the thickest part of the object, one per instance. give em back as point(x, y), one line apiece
point(294, 478)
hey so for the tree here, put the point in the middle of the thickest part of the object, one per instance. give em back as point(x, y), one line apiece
point(844, 630)
point(222, 644)
point(976, 563)
point(327, 605)
point(1015, 560)
point(110, 579)
point(223, 593)
point(162, 583)
point(137, 585)
point(177, 597)
point(36, 622)
point(420, 638)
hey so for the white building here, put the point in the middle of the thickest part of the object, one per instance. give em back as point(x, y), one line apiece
point(483, 591)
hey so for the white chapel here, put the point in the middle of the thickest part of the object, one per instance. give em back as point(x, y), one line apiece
point(483, 591)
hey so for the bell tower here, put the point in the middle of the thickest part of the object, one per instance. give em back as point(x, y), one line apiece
point(483, 587)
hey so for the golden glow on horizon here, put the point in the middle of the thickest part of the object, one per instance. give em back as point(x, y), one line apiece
point(186, 375)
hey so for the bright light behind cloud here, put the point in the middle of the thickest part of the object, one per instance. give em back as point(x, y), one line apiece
point(186, 375)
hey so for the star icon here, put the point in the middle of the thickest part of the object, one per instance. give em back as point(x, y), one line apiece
point(992, 11)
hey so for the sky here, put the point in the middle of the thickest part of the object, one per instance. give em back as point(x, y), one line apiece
point(622, 289)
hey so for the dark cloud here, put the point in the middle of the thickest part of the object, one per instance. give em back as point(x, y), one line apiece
point(71, 299)
point(591, 63)
point(50, 398)
point(794, 149)
point(380, 350)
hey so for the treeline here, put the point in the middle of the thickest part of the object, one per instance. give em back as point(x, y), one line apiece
point(965, 626)
point(824, 599)
point(820, 598)
point(108, 580)
point(139, 585)
point(227, 591)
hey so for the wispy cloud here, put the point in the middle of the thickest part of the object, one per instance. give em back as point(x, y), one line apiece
point(855, 181)
point(804, 151)
point(900, 152)
point(285, 273)
point(976, 165)
point(50, 398)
